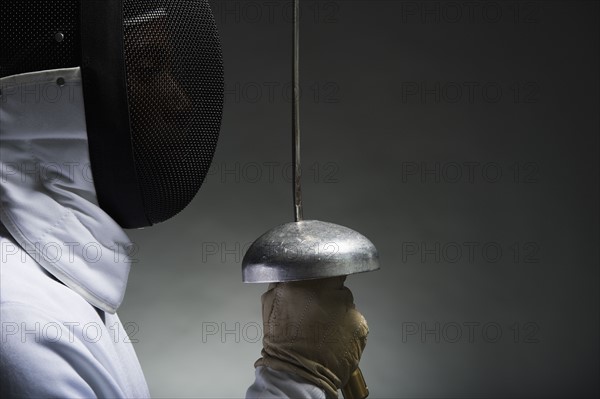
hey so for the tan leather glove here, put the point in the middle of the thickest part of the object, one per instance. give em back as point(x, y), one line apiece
point(312, 329)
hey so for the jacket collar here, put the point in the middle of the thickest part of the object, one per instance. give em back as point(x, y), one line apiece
point(47, 196)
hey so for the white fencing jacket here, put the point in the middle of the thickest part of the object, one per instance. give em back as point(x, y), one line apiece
point(63, 260)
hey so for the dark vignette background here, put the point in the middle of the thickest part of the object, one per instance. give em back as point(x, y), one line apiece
point(460, 137)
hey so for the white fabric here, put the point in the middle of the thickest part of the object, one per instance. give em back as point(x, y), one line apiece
point(47, 198)
point(54, 344)
point(63, 261)
point(272, 384)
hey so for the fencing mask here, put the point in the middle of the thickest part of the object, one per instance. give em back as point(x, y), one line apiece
point(153, 90)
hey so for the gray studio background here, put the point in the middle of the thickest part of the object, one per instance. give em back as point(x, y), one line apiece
point(460, 137)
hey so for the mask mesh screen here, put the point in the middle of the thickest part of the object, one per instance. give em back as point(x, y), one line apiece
point(29, 35)
point(174, 78)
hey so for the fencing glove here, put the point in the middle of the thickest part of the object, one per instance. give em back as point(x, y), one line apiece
point(312, 329)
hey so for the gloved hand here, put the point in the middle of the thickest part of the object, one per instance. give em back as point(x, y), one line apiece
point(312, 329)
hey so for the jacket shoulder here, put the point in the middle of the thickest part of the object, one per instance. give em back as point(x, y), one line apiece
point(35, 350)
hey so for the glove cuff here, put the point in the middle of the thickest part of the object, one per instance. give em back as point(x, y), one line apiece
point(308, 370)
